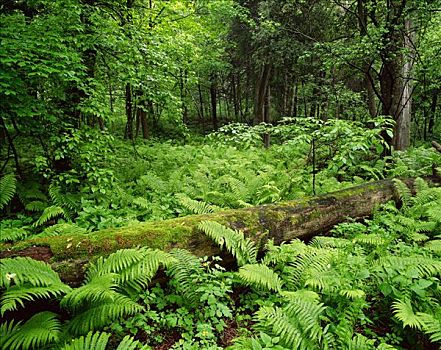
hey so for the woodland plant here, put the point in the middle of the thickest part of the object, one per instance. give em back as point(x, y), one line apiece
point(334, 293)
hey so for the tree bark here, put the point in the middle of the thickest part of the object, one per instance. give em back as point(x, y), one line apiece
point(213, 97)
point(281, 222)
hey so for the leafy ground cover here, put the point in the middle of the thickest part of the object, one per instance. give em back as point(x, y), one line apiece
point(371, 285)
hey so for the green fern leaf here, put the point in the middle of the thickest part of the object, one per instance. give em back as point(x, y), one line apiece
point(7, 189)
point(97, 289)
point(128, 343)
point(19, 294)
point(243, 249)
point(185, 269)
point(403, 311)
point(431, 326)
point(12, 234)
point(403, 192)
point(38, 332)
point(48, 214)
point(22, 270)
point(92, 341)
point(196, 207)
point(434, 245)
point(103, 313)
point(360, 342)
point(36, 206)
point(134, 266)
point(260, 276)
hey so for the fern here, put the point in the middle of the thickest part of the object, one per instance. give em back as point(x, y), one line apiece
point(196, 207)
point(62, 229)
point(434, 245)
point(39, 331)
point(403, 192)
point(431, 325)
point(95, 341)
point(297, 324)
point(128, 343)
point(6, 330)
point(50, 213)
point(7, 189)
point(17, 295)
point(243, 249)
point(403, 311)
point(36, 206)
point(98, 289)
point(360, 342)
point(134, 266)
point(184, 271)
point(103, 313)
point(22, 270)
point(12, 234)
point(260, 276)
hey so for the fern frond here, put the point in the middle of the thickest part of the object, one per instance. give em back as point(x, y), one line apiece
point(403, 192)
point(284, 253)
point(307, 315)
point(12, 234)
point(277, 322)
point(95, 341)
point(128, 343)
point(135, 266)
point(243, 249)
point(260, 276)
point(7, 189)
point(39, 331)
point(142, 203)
point(6, 330)
point(184, 271)
point(370, 239)
point(62, 229)
point(353, 293)
point(434, 245)
point(17, 295)
point(59, 199)
point(36, 206)
point(196, 207)
point(48, 214)
point(22, 270)
point(426, 267)
point(420, 186)
point(360, 342)
point(329, 242)
point(431, 326)
point(97, 289)
point(103, 313)
point(403, 311)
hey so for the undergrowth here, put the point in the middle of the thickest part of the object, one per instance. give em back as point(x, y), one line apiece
point(370, 285)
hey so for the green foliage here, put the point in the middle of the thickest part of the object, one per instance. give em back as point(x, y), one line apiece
point(260, 276)
point(7, 189)
point(38, 332)
point(243, 249)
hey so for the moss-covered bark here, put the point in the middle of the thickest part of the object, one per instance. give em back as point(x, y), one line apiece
point(282, 222)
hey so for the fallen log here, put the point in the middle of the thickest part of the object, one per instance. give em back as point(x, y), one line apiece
point(436, 145)
point(303, 218)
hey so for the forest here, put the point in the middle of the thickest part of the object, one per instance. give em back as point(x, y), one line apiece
point(220, 174)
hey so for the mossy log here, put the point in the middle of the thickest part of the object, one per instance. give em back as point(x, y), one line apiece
point(284, 221)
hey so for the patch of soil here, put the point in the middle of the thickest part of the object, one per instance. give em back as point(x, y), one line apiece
point(37, 253)
point(169, 340)
point(230, 333)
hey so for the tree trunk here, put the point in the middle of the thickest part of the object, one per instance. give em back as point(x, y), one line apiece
point(213, 97)
point(433, 105)
point(261, 93)
point(129, 113)
point(282, 222)
point(402, 132)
